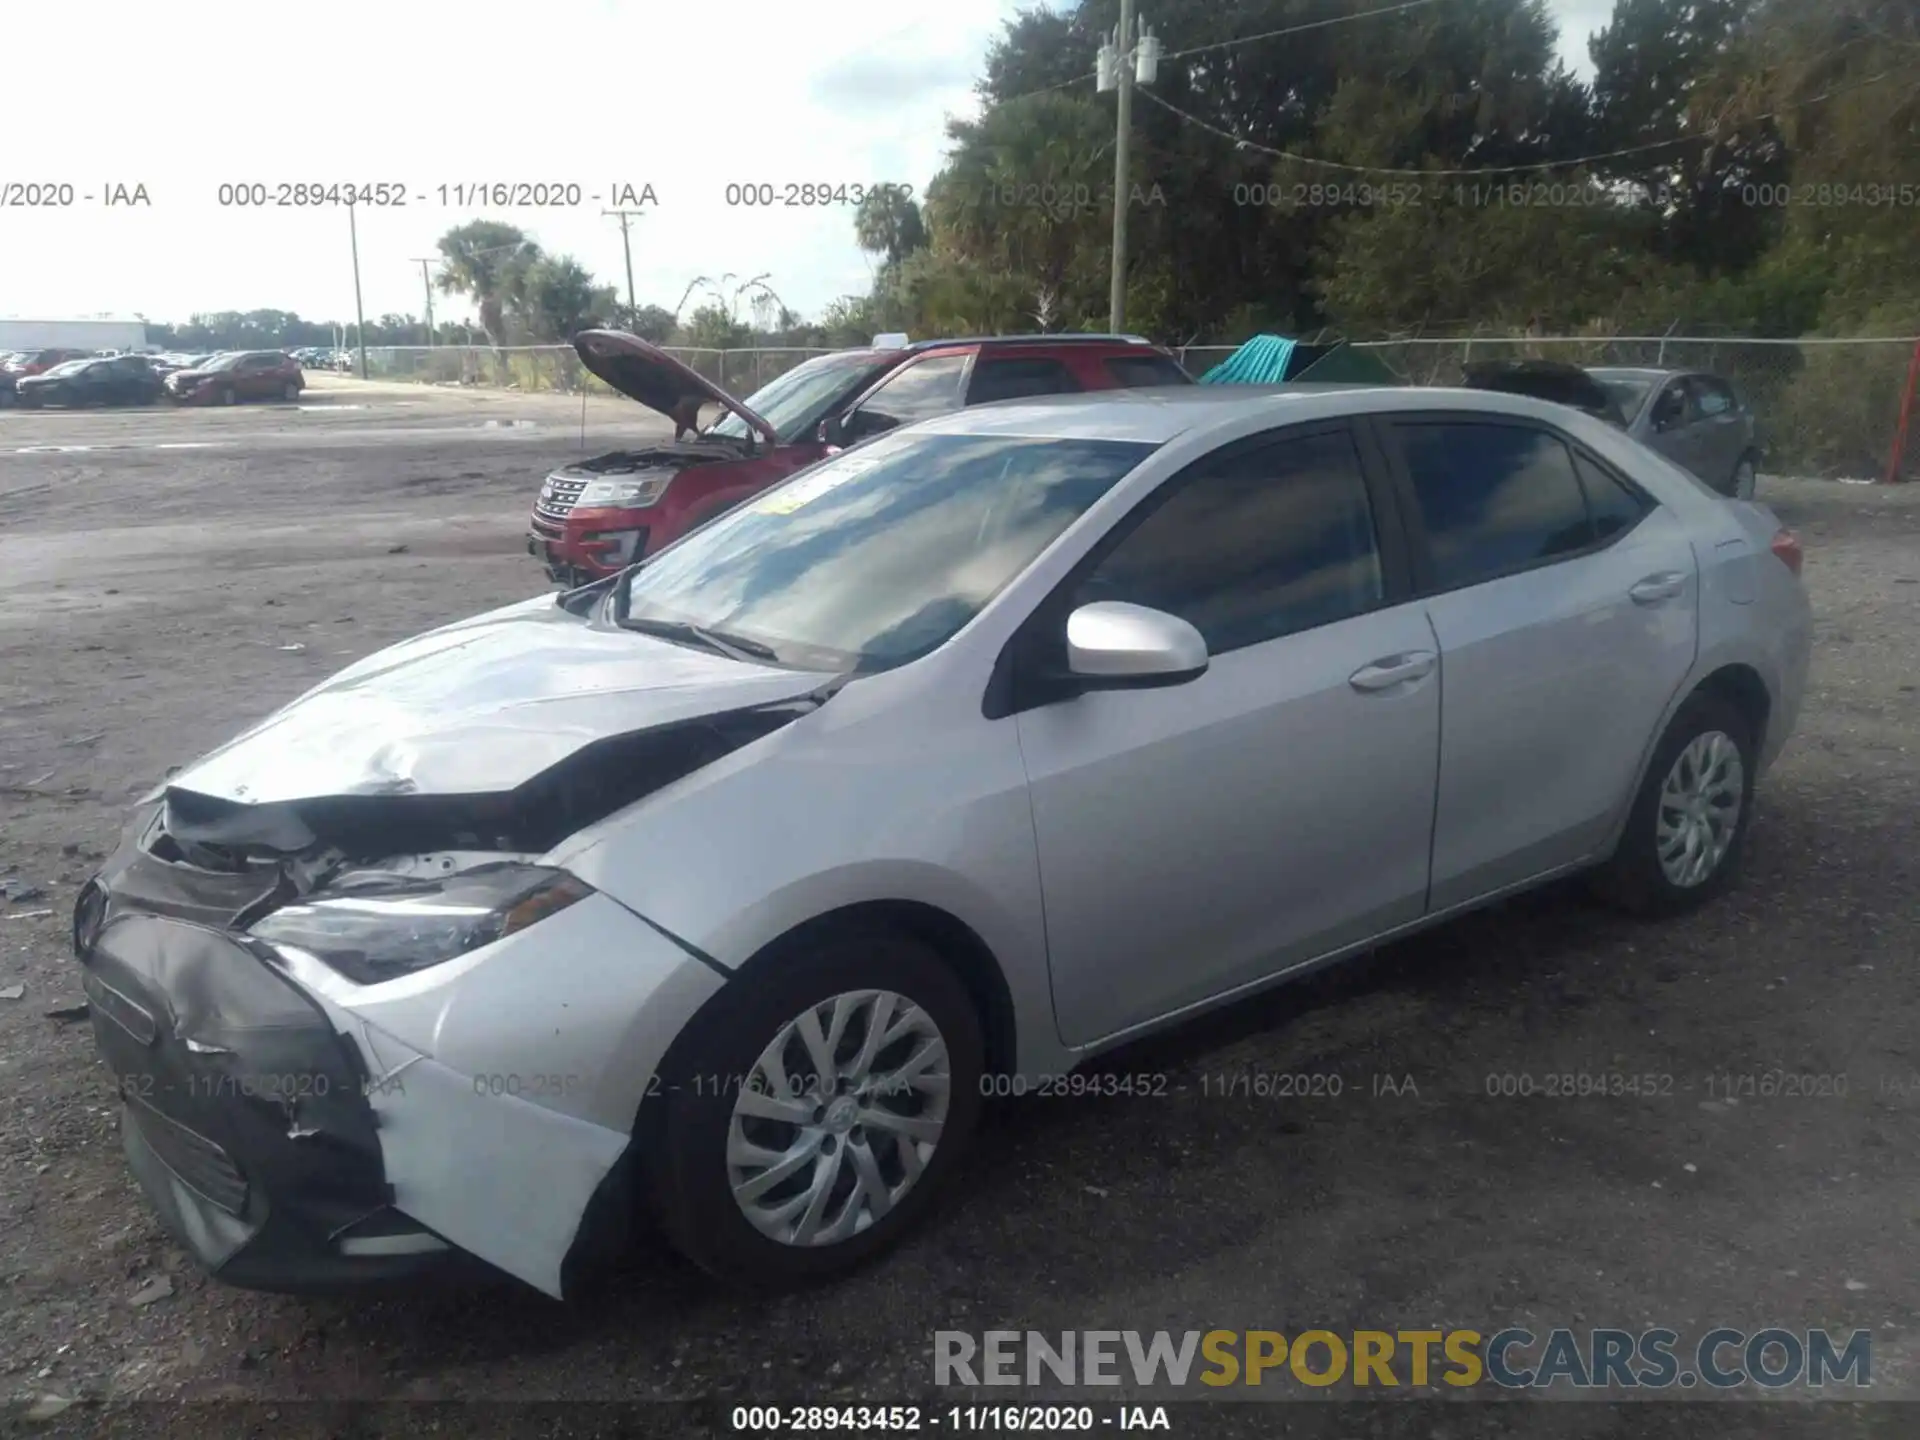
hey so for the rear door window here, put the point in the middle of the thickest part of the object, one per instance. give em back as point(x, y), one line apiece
point(1139, 371)
point(1615, 506)
point(1493, 499)
point(1013, 377)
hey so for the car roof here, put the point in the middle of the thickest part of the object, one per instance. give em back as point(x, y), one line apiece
point(1155, 415)
point(1131, 342)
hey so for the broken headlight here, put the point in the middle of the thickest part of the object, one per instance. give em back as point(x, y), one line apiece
point(373, 926)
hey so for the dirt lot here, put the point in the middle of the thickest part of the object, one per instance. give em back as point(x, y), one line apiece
point(154, 601)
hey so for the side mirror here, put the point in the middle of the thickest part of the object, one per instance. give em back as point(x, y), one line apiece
point(1112, 645)
point(832, 431)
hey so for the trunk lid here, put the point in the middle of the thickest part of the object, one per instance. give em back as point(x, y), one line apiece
point(1546, 380)
point(648, 374)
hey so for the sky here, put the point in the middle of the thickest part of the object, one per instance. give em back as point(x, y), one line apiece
point(419, 94)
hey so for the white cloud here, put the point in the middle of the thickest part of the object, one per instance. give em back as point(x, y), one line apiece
point(431, 92)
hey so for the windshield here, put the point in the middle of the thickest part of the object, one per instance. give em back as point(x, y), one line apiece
point(879, 555)
point(1626, 395)
point(799, 399)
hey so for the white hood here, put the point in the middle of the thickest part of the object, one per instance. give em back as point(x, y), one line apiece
point(478, 707)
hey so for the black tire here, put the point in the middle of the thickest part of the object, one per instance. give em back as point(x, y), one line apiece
point(686, 1160)
point(229, 396)
point(291, 392)
point(1634, 879)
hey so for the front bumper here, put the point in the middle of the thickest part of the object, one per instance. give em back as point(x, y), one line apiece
point(297, 1131)
point(569, 563)
point(246, 1118)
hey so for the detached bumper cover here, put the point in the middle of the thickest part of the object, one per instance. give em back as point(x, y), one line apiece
point(298, 1131)
point(246, 1117)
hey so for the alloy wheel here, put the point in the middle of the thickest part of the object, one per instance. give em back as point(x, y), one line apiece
point(838, 1118)
point(1699, 810)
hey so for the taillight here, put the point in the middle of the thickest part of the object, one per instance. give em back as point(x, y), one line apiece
point(1786, 545)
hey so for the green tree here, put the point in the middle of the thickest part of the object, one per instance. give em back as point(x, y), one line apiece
point(652, 322)
point(554, 298)
point(710, 327)
point(487, 261)
point(887, 223)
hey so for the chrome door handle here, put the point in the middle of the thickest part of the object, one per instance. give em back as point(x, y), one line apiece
point(1385, 673)
point(1655, 588)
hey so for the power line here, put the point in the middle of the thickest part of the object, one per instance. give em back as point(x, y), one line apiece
point(1296, 29)
point(1230, 44)
point(1449, 173)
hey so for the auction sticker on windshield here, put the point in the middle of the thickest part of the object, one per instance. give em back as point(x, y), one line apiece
point(786, 499)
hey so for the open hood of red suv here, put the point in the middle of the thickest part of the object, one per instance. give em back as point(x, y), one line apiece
point(654, 378)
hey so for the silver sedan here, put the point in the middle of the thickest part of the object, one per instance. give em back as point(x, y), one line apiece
point(724, 890)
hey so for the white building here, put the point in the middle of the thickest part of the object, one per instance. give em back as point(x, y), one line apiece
point(72, 334)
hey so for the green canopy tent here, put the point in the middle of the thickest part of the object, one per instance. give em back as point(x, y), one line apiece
point(1276, 360)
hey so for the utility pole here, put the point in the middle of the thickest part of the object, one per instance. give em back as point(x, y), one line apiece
point(626, 217)
point(1123, 44)
point(359, 313)
point(1122, 61)
point(427, 281)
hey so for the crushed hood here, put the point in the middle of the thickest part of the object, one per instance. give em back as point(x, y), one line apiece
point(480, 707)
point(654, 378)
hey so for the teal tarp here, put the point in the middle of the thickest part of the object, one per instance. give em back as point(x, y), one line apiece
point(1263, 360)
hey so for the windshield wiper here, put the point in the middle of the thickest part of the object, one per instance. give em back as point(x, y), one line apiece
point(734, 647)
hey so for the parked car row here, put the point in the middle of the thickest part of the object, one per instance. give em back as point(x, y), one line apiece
point(973, 741)
point(53, 378)
point(318, 357)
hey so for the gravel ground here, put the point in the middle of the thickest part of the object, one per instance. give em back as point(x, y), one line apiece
point(154, 602)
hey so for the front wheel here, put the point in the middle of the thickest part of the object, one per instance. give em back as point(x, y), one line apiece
point(292, 392)
point(229, 396)
point(815, 1108)
point(1688, 826)
point(1745, 477)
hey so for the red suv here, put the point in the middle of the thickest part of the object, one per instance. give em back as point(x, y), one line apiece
point(239, 375)
point(595, 517)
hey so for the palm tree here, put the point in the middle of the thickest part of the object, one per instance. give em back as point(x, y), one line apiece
point(888, 224)
point(487, 261)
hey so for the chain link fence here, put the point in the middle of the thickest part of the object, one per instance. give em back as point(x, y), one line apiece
point(1828, 407)
point(557, 368)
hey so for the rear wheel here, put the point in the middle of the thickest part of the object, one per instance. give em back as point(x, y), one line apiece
point(815, 1108)
point(1688, 827)
point(1745, 477)
point(292, 392)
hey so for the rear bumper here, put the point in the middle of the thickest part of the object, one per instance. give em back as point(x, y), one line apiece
point(246, 1118)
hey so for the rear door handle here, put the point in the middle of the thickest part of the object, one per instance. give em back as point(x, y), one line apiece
point(1385, 673)
point(1655, 588)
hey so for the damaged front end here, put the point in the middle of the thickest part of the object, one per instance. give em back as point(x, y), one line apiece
point(299, 1122)
point(246, 1117)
